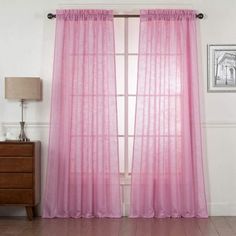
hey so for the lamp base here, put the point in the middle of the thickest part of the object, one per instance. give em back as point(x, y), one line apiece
point(22, 136)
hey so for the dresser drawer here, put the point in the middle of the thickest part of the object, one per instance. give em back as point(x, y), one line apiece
point(16, 164)
point(15, 149)
point(16, 180)
point(16, 196)
point(20, 174)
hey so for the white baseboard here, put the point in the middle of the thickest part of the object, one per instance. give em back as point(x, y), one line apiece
point(12, 211)
point(215, 209)
point(222, 209)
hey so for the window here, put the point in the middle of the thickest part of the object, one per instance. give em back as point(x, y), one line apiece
point(126, 44)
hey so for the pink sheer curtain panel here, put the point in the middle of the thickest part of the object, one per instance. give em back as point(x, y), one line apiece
point(83, 167)
point(167, 172)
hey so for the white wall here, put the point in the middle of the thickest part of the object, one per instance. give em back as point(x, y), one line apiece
point(26, 49)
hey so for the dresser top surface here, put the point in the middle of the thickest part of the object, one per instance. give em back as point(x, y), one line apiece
point(18, 142)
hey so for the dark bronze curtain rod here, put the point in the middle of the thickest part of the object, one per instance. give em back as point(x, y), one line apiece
point(199, 15)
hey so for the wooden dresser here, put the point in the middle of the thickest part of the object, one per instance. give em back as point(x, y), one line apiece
point(20, 174)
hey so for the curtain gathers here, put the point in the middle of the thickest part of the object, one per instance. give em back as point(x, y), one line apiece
point(83, 166)
point(167, 172)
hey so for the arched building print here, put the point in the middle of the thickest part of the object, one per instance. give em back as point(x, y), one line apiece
point(226, 70)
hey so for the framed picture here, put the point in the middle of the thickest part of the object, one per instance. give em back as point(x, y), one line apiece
point(221, 68)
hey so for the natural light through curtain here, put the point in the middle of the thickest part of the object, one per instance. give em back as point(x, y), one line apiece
point(167, 173)
point(83, 165)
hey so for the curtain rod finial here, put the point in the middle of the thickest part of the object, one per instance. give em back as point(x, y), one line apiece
point(200, 16)
point(51, 16)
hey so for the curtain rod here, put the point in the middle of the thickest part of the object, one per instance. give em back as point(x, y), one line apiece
point(199, 16)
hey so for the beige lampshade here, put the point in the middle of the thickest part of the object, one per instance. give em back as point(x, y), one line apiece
point(26, 88)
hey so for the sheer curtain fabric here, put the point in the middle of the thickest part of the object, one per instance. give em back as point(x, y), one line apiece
point(167, 172)
point(83, 167)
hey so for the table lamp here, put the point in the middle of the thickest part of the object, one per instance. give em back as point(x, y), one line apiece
point(23, 88)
